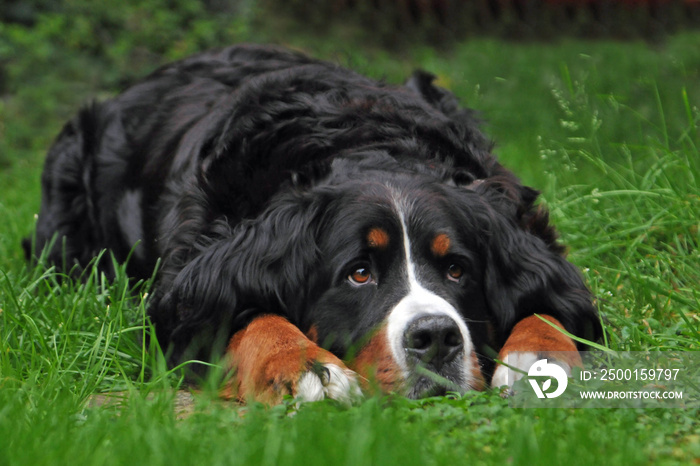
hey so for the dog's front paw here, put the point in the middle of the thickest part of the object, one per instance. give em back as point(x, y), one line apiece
point(531, 340)
point(518, 364)
point(271, 358)
point(329, 381)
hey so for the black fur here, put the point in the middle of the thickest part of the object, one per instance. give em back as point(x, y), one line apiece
point(250, 171)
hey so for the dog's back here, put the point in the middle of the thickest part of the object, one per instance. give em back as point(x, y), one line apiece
point(117, 170)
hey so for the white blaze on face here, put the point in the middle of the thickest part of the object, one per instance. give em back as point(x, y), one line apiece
point(420, 302)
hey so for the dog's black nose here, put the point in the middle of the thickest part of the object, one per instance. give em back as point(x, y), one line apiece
point(434, 340)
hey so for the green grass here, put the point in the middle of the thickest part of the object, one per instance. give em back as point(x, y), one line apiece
point(608, 131)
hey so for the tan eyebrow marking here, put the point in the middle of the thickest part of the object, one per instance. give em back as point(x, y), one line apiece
point(440, 245)
point(377, 238)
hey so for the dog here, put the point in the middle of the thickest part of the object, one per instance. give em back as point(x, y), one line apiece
point(322, 232)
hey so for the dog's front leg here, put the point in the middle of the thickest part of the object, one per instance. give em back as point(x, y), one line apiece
point(531, 340)
point(271, 358)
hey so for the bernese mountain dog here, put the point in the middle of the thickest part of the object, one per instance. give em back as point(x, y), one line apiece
point(322, 232)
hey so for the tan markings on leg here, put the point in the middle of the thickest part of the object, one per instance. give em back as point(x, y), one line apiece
point(269, 356)
point(312, 334)
point(535, 336)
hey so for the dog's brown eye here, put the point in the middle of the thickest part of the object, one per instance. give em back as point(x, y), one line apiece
point(454, 272)
point(361, 276)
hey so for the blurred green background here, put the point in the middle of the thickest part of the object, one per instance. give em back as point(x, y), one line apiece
point(57, 55)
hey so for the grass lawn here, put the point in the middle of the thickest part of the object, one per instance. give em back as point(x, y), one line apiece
point(609, 131)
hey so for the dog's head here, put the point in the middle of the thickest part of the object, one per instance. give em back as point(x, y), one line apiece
point(403, 272)
point(401, 282)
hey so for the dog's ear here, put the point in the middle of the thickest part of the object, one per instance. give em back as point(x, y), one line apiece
point(261, 268)
point(526, 273)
